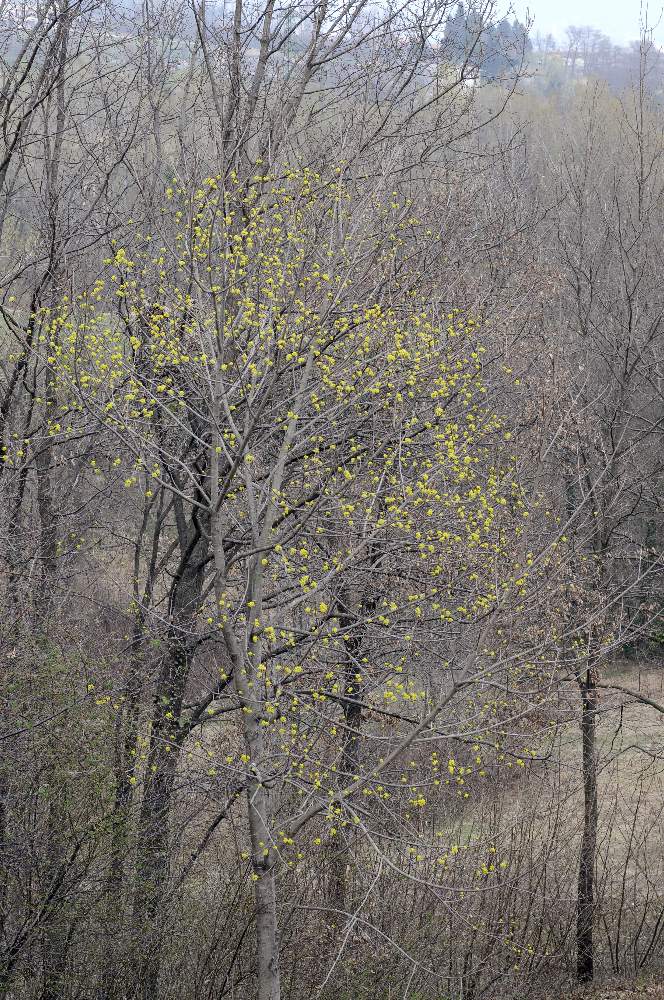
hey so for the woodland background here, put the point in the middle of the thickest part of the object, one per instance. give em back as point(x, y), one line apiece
point(331, 415)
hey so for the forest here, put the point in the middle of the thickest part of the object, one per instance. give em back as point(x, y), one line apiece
point(331, 503)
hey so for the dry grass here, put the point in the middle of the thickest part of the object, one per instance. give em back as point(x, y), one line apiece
point(621, 990)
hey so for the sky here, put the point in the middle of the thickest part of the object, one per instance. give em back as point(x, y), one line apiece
point(617, 18)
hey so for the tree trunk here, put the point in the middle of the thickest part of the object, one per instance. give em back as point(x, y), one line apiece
point(48, 536)
point(260, 808)
point(166, 734)
point(586, 884)
point(111, 983)
point(264, 857)
point(153, 847)
point(152, 871)
point(353, 628)
point(349, 768)
point(5, 968)
point(267, 935)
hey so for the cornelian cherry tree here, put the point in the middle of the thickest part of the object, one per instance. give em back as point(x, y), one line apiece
point(331, 544)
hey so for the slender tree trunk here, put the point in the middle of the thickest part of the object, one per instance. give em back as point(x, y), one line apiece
point(267, 934)
point(586, 884)
point(152, 871)
point(111, 982)
point(353, 628)
point(349, 767)
point(5, 977)
point(259, 799)
point(48, 536)
point(260, 831)
point(55, 940)
point(153, 837)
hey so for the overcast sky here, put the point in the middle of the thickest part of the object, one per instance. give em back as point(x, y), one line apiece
point(617, 18)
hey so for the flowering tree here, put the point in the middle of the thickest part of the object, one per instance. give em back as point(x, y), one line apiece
point(327, 510)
